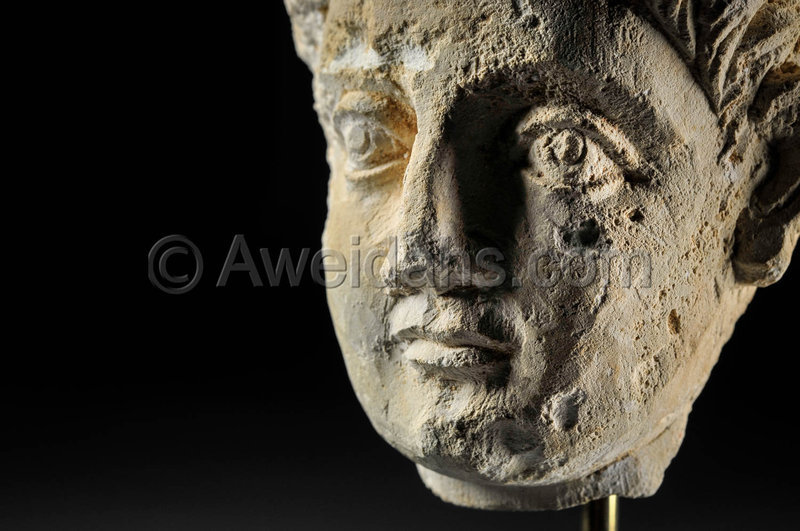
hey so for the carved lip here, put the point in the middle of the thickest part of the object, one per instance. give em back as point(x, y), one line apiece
point(453, 338)
point(462, 362)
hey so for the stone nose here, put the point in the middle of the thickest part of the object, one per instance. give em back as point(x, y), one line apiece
point(432, 247)
point(462, 194)
point(439, 221)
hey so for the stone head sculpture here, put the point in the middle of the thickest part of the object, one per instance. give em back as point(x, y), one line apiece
point(554, 212)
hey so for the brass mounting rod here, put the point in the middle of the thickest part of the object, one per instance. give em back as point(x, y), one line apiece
point(600, 515)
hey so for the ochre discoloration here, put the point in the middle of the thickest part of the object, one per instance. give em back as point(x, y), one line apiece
point(632, 170)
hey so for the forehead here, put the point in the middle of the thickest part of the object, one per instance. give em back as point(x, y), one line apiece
point(464, 29)
point(585, 51)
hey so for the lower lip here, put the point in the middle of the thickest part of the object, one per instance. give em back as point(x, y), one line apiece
point(457, 363)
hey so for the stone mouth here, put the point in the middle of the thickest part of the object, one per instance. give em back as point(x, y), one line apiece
point(452, 322)
point(460, 363)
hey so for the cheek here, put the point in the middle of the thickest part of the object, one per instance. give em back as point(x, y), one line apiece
point(357, 229)
point(661, 338)
point(573, 270)
point(368, 212)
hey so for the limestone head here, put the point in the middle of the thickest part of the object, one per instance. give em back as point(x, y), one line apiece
point(553, 213)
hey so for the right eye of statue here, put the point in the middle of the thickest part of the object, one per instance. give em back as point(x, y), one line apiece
point(368, 144)
point(375, 135)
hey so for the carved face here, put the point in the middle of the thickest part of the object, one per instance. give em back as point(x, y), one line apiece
point(543, 223)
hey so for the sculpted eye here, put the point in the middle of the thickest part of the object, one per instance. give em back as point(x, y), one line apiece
point(571, 148)
point(375, 134)
point(566, 157)
point(357, 140)
point(567, 147)
point(369, 144)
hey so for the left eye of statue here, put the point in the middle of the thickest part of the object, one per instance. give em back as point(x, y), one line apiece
point(558, 155)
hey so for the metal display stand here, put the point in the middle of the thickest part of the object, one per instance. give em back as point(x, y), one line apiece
point(600, 515)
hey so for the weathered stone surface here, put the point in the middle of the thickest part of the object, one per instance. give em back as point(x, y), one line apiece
point(488, 160)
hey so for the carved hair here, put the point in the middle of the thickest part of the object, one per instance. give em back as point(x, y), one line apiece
point(744, 54)
point(307, 18)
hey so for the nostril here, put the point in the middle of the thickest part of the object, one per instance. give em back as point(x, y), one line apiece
point(586, 235)
point(466, 291)
point(481, 238)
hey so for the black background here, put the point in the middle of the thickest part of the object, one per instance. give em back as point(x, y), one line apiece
point(229, 408)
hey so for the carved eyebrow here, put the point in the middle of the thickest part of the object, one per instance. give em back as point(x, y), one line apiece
point(615, 101)
point(379, 106)
point(367, 82)
point(361, 102)
point(357, 55)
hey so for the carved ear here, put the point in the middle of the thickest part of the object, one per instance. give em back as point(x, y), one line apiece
point(767, 231)
point(308, 17)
